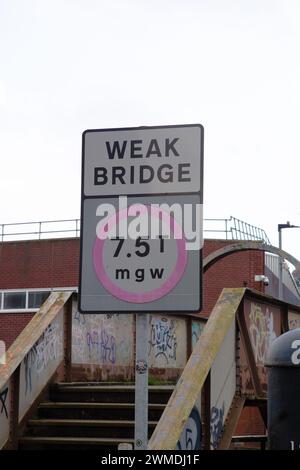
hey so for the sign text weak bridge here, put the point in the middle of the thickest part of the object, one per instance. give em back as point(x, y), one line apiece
point(224, 373)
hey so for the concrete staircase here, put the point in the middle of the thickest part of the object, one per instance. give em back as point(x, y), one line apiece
point(82, 416)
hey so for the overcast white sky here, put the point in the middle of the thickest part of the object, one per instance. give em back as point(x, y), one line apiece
point(231, 65)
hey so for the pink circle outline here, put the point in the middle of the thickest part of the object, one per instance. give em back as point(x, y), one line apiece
point(167, 286)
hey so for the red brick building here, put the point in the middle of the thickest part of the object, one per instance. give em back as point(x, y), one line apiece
point(30, 269)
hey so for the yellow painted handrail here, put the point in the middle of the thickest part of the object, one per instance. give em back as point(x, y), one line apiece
point(31, 333)
point(179, 407)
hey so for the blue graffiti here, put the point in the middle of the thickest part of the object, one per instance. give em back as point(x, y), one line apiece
point(104, 345)
point(216, 425)
point(191, 437)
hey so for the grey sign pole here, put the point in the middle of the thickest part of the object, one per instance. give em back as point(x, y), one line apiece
point(141, 383)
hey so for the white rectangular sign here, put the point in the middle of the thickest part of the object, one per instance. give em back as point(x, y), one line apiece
point(141, 220)
point(136, 161)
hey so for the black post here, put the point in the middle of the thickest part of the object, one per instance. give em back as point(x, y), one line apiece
point(284, 392)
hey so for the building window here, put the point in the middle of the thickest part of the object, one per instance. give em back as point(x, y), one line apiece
point(36, 299)
point(27, 299)
point(14, 300)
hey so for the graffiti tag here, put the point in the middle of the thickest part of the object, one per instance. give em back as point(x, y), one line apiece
point(103, 344)
point(163, 338)
point(191, 436)
point(262, 332)
point(216, 425)
point(3, 397)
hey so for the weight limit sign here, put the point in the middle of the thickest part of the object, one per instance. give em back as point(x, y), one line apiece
point(141, 220)
point(145, 268)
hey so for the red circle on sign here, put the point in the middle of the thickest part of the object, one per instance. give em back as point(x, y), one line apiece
point(158, 292)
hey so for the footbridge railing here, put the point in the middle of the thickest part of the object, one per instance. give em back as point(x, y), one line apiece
point(219, 373)
point(225, 372)
point(40, 355)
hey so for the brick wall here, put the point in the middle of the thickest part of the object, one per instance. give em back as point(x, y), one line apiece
point(11, 325)
point(39, 263)
point(235, 270)
point(55, 263)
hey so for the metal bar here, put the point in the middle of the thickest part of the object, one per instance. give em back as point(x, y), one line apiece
point(14, 418)
point(179, 407)
point(36, 222)
point(249, 353)
point(32, 332)
point(280, 286)
point(240, 230)
point(70, 308)
point(249, 438)
point(284, 314)
point(206, 413)
point(231, 422)
point(38, 233)
point(141, 383)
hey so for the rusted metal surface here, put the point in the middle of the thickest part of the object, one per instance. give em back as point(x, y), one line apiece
point(231, 422)
point(261, 323)
point(250, 383)
point(238, 310)
point(189, 386)
point(223, 385)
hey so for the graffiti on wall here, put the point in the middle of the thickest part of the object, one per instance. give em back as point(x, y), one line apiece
point(261, 330)
point(167, 342)
point(47, 349)
point(197, 329)
point(222, 385)
point(294, 320)
point(163, 339)
point(191, 436)
point(4, 414)
point(40, 363)
point(3, 402)
point(102, 339)
point(216, 424)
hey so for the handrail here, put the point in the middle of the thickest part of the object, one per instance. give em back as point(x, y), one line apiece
point(39, 355)
point(230, 228)
point(188, 388)
point(31, 333)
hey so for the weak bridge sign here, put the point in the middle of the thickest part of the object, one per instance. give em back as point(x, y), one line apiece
point(141, 219)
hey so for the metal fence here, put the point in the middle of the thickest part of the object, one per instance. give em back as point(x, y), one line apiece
point(233, 229)
point(40, 230)
point(228, 229)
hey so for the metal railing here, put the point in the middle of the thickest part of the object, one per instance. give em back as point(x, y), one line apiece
point(228, 229)
point(234, 229)
point(40, 230)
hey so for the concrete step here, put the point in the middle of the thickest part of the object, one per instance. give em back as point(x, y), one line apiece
point(71, 443)
point(83, 428)
point(106, 393)
point(79, 410)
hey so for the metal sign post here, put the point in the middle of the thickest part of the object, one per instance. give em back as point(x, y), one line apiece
point(141, 383)
point(141, 231)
